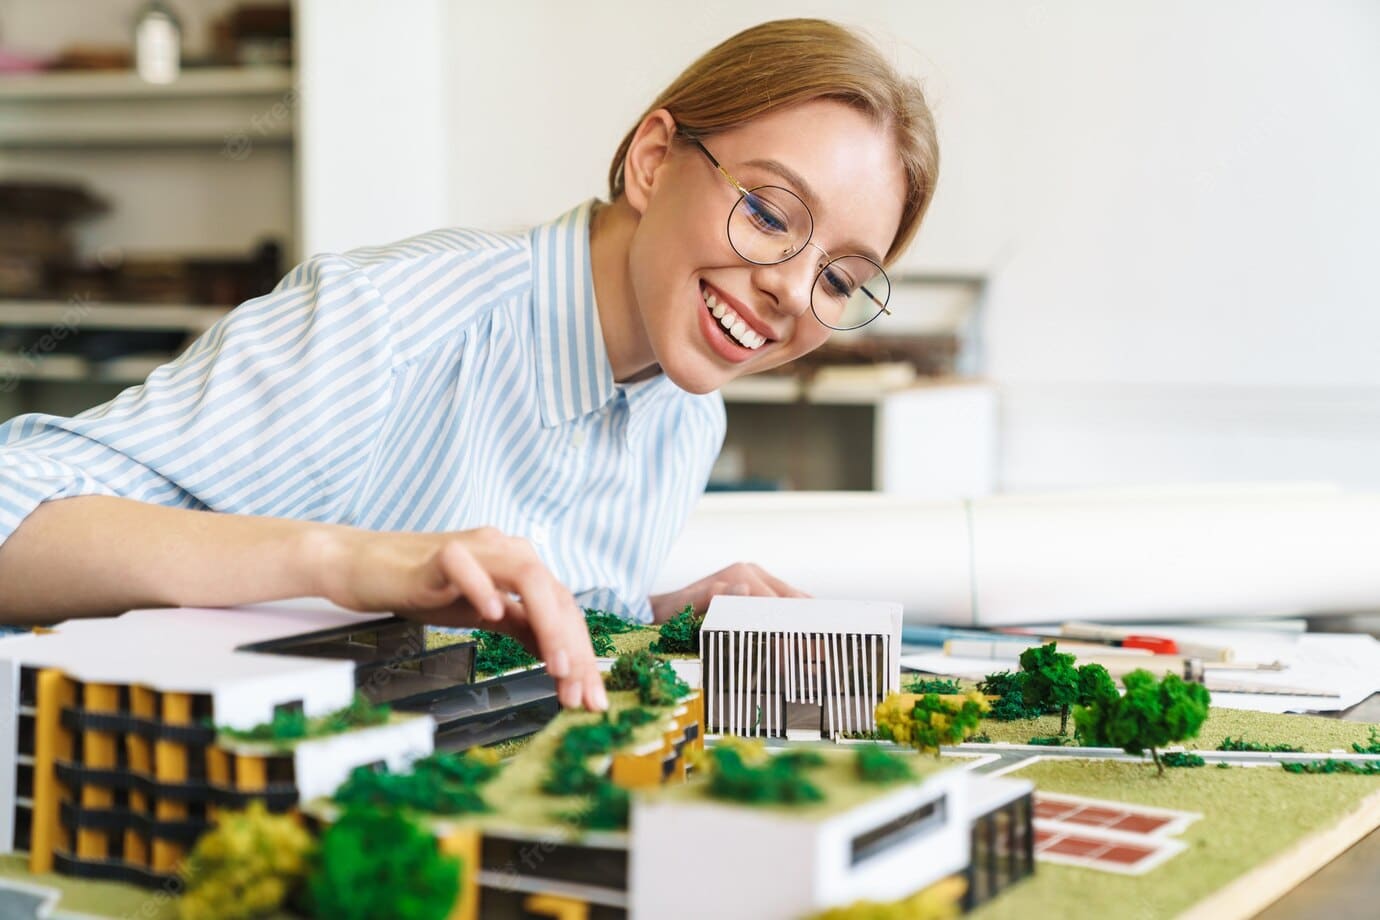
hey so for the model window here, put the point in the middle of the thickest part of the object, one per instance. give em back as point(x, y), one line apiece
point(898, 830)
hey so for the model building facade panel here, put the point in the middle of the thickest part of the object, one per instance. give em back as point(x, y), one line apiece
point(772, 667)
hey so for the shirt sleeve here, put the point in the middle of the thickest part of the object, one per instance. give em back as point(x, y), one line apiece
point(271, 412)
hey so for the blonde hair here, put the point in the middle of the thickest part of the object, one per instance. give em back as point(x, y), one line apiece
point(791, 61)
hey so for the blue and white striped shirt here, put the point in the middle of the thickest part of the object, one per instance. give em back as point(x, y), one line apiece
point(453, 380)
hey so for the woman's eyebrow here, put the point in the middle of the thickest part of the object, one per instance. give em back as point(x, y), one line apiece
point(807, 193)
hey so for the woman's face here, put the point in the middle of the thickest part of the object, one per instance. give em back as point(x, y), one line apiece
point(845, 167)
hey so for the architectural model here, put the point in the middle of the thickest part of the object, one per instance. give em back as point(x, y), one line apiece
point(126, 739)
point(807, 668)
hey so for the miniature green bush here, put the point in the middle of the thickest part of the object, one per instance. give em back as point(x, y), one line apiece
point(609, 806)
point(443, 784)
point(1009, 689)
point(293, 725)
point(1183, 759)
point(497, 653)
point(937, 685)
point(246, 866)
point(1368, 768)
point(654, 680)
point(1151, 714)
point(776, 781)
point(933, 721)
point(568, 773)
point(602, 628)
point(1371, 747)
point(1048, 740)
point(374, 864)
point(680, 635)
point(1241, 744)
point(878, 765)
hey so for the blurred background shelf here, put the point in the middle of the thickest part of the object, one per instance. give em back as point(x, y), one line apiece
point(193, 319)
point(105, 85)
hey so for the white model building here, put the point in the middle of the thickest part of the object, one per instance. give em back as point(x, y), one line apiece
point(797, 667)
point(778, 862)
point(110, 762)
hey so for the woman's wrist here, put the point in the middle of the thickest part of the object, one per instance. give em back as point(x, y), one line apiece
point(320, 558)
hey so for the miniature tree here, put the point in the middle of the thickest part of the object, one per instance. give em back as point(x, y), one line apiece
point(1095, 685)
point(1051, 681)
point(655, 681)
point(1151, 714)
point(680, 635)
point(375, 863)
point(930, 722)
point(246, 866)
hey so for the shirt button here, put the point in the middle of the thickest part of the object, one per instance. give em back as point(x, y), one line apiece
point(577, 440)
point(540, 534)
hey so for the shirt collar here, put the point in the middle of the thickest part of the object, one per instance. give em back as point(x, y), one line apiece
point(574, 376)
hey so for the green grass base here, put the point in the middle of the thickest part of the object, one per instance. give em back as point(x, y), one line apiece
point(1249, 815)
point(1312, 733)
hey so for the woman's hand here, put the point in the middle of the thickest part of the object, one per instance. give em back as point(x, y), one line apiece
point(742, 578)
point(464, 578)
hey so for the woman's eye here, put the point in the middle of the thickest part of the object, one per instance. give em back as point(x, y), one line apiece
point(764, 217)
point(838, 284)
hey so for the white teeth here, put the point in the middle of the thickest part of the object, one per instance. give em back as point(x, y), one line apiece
point(734, 324)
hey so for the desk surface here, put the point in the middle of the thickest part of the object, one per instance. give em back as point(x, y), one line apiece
point(1349, 886)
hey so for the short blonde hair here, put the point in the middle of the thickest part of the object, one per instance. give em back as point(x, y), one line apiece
point(792, 61)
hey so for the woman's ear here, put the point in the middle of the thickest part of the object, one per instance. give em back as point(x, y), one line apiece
point(651, 145)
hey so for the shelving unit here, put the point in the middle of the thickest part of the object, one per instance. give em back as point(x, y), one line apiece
point(206, 107)
point(206, 165)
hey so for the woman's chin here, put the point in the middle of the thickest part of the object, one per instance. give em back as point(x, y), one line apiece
point(696, 375)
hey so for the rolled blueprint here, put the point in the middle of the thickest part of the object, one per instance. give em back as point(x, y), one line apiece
point(1132, 555)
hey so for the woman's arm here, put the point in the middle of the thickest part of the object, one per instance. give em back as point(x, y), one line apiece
point(98, 555)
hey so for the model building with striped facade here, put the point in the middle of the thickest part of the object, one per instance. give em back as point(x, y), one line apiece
point(122, 737)
point(797, 667)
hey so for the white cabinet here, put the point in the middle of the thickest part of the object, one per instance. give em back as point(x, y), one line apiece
point(933, 440)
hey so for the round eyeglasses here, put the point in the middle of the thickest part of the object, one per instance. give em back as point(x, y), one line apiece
point(770, 224)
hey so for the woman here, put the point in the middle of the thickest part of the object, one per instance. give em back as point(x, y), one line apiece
point(463, 427)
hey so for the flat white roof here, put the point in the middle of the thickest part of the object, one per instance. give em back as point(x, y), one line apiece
point(803, 615)
point(184, 649)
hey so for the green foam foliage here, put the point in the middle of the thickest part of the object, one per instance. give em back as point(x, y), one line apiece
point(654, 680)
point(379, 863)
point(778, 780)
point(442, 784)
point(878, 765)
point(294, 725)
point(497, 653)
point(680, 635)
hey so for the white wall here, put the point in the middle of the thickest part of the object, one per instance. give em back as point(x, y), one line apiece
point(1176, 203)
point(374, 154)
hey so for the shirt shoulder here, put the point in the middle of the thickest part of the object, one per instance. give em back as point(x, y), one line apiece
point(436, 284)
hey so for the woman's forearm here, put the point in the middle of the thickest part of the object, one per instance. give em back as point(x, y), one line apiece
point(96, 555)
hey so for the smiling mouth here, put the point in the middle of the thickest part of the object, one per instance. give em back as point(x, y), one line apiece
point(734, 326)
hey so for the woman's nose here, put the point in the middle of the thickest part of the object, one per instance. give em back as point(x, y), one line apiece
point(789, 282)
